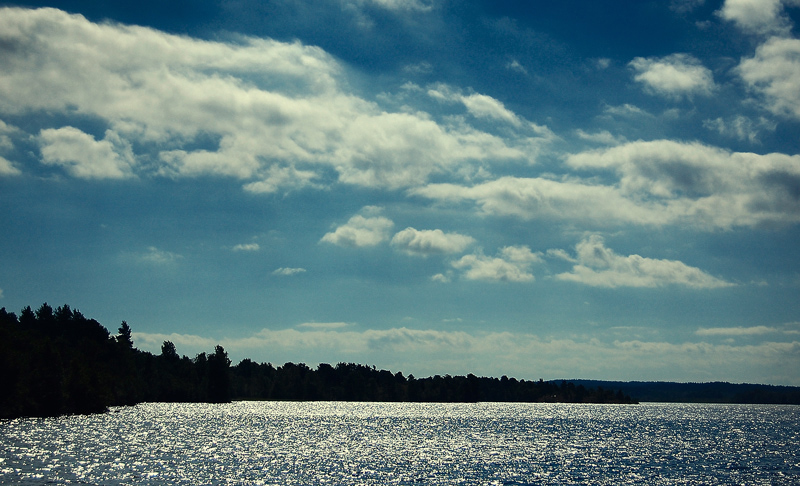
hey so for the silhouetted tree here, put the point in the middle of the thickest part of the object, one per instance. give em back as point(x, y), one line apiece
point(124, 336)
point(219, 381)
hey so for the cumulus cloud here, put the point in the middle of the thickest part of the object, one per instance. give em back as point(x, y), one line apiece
point(673, 76)
point(277, 114)
point(757, 16)
point(83, 156)
point(361, 231)
point(287, 271)
point(599, 266)
point(699, 183)
point(774, 74)
point(657, 182)
point(428, 242)
point(512, 264)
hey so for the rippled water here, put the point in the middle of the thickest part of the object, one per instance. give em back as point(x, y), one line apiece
point(338, 443)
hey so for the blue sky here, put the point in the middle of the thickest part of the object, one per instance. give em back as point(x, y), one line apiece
point(576, 189)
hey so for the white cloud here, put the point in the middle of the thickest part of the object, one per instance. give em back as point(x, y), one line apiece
point(427, 242)
point(1, 293)
point(603, 137)
point(287, 271)
point(757, 16)
point(658, 182)
point(277, 112)
point(512, 265)
point(741, 127)
point(692, 182)
point(674, 76)
point(627, 110)
point(774, 73)
point(599, 266)
point(247, 247)
point(478, 105)
point(532, 198)
point(282, 178)
point(361, 231)
point(159, 257)
point(324, 325)
point(482, 106)
point(735, 331)
point(84, 157)
point(7, 168)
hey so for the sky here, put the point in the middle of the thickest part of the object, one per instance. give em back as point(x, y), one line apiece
point(576, 189)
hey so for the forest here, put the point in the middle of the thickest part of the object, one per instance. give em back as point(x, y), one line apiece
point(57, 361)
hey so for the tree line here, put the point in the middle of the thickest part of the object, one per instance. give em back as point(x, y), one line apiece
point(57, 361)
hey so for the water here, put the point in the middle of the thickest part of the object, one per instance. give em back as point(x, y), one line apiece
point(338, 443)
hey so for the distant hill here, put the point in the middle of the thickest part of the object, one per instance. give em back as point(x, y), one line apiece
point(714, 392)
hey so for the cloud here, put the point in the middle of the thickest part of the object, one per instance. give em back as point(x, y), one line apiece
point(512, 265)
point(247, 247)
point(429, 242)
point(361, 231)
point(599, 266)
point(693, 182)
point(735, 331)
point(740, 127)
point(7, 168)
point(159, 257)
point(287, 272)
point(83, 156)
point(282, 179)
point(324, 325)
point(275, 115)
point(602, 137)
point(673, 76)
point(1, 294)
point(534, 198)
point(774, 74)
point(478, 105)
point(626, 110)
point(658, 182)
point(762, 17)
point(514, 65)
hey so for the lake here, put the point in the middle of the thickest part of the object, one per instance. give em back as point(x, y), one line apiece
point(348, 443)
